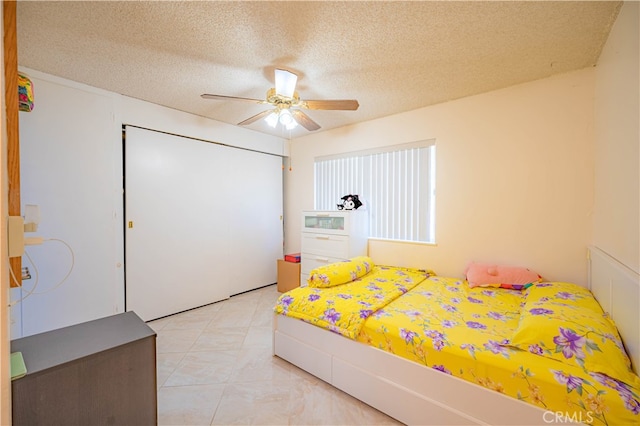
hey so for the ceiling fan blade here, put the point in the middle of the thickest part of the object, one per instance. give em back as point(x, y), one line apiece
point(336, 104)
point(255, 118)
point(304, 120)
point(285, 83)
point(231, 98)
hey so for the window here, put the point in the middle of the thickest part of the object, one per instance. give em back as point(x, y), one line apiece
point(396, 185)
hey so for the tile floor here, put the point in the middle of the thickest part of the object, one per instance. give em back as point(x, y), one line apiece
point(215, 367)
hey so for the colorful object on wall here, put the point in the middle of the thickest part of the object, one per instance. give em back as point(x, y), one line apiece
point(25, 93)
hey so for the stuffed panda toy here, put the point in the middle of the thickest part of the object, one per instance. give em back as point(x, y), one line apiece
point(350, 202)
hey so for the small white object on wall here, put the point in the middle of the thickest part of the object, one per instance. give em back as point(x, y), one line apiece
point(31, 217)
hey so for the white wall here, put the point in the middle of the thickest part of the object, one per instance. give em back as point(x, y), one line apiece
point(69, 169)
point(514, 181)
point(617, 178)
point(71, 155)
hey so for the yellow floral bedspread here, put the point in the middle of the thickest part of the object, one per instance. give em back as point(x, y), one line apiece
point(344, 308)
point(461, 331)
point(465, 332)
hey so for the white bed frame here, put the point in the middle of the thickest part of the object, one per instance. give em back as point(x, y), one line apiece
point(415, 394)
point(617, 288)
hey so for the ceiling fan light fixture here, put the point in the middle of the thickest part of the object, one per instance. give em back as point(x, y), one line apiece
point(287, 120)
point(283, 117)
point(285, 83)
point(291, 125)
point(272, 119)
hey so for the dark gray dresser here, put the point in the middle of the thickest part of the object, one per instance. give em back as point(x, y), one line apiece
point(101, 372)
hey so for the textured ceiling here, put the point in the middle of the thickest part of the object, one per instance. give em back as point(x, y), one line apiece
point(391, 56)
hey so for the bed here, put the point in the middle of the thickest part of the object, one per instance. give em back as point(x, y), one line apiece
point(438, 369)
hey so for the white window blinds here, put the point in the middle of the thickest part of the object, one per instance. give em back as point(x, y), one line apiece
point(396, 186)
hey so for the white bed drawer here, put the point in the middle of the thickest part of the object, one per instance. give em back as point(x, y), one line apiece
point(325, 245)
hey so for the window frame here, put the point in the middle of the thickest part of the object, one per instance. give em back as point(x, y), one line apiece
point(388, 157)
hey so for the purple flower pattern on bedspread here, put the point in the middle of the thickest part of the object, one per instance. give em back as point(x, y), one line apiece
point(629, 396)
point(344, 308)
point(570, 343)
point(541, 311)
point(331, 316)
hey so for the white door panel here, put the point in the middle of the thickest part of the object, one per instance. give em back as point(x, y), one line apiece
point(256, 228)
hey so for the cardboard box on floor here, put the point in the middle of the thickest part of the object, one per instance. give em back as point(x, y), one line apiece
point(288, 275)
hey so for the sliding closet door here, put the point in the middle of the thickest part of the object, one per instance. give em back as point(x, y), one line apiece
point(256, 227)
point(181, 223)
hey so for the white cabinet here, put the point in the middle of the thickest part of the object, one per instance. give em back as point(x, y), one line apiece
point(332, 236)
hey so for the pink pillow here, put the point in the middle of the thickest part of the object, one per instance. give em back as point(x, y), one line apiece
point(491, 275)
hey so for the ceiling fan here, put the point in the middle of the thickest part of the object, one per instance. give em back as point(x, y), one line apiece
point(287, 105)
